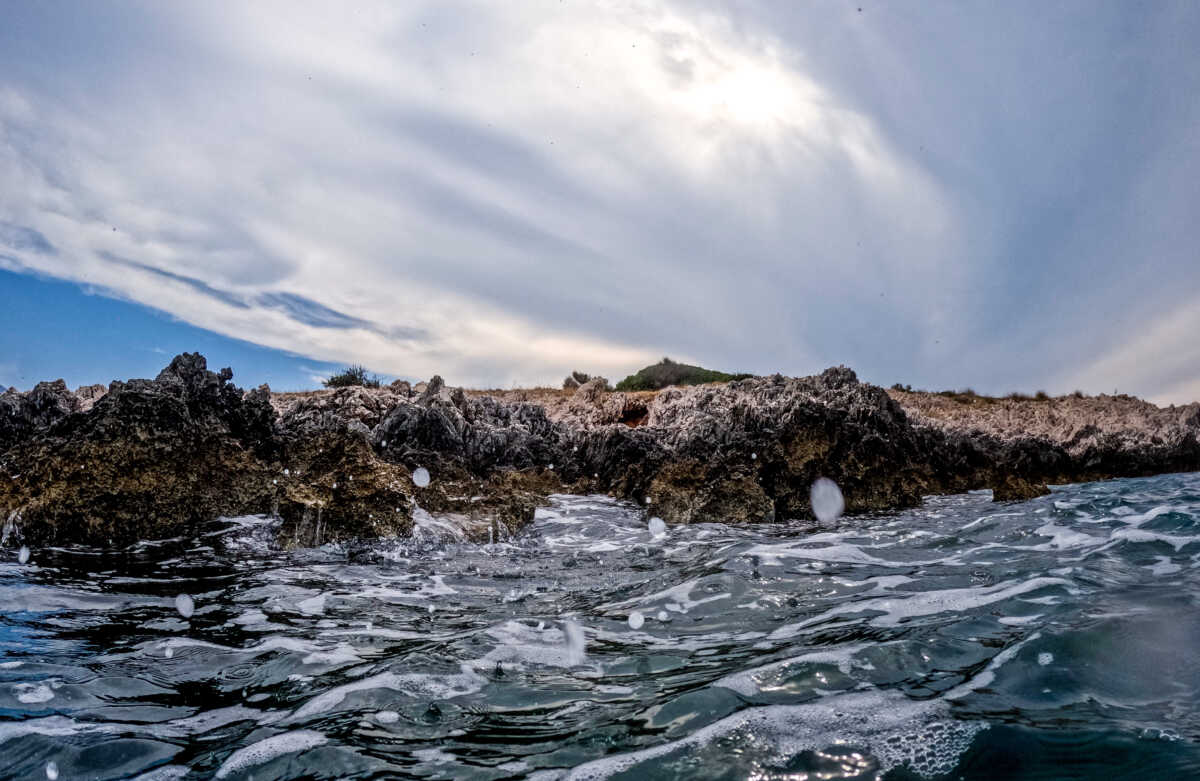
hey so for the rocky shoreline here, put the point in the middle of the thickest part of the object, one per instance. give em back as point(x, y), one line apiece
point(148, 459)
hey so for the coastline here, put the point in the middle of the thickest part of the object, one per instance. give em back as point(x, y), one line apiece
point(154, 458)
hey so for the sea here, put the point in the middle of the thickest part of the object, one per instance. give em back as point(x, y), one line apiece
point(1057, 638)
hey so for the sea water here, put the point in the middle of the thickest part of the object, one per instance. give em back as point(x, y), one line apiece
point(1055, 638)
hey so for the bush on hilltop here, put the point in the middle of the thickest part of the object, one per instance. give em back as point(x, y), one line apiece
point(352, 375)
point(667, 372)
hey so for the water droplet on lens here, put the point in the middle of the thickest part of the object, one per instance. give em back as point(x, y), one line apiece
point(23, 555)
point(420, 477)
point(185, 605)
point(576, 644)
point(827, 500)
point(636, 620)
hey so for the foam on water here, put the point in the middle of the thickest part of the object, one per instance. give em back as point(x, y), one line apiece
point(270, 748)
point(898, 731)
point(583, 646)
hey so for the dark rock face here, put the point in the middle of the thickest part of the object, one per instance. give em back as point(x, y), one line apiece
point(21, 414)
point(152, 458)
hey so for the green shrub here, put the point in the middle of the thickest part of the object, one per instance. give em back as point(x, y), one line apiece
point(352, 375)
point(667, 372)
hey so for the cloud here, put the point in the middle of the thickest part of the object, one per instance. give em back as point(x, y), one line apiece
point(502, 193)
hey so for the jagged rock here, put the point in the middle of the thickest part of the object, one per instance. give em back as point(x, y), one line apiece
point(151, 458)
point(88, 395)
point(401, 387)
point(21, 414)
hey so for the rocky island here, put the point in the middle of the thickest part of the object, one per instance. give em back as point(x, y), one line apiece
point(154, 458)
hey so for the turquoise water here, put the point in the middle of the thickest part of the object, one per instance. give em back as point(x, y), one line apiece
point(1056, 638)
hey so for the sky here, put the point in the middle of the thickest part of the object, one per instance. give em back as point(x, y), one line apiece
point(1004, 196)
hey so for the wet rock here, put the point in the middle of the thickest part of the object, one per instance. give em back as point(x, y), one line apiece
point(151, 458)
point(1017, 489)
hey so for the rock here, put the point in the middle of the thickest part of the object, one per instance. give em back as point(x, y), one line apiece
point(150, 459)
point(154, 458)
point(88, 395)
point(21, 414)
point(401, 387)
point(1017, 489)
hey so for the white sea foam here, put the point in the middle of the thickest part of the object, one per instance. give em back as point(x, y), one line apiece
point(898, 731)
point(925, 603)
point(33, 693)
point(1141, 535)
point(271, 748)
point(425, 686)
point(750, 682)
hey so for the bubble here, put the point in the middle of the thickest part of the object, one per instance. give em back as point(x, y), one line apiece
point(827, 500)
point(649, 501)
point(664, 616)
point(550, 467)
point(23, 555)
point(51, 770)
point(1045, 658)
point(185, 605)
point(636, 620)
point(658, 528)
point(287, 472)
point(431, 607)
point(335, 486)
point(169, 652)
point(274, 482)
point(420, 477)
point(754, 456)
point(383, 443)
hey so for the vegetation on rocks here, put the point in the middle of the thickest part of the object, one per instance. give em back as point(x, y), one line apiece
point(667, 372)
point(351, 376)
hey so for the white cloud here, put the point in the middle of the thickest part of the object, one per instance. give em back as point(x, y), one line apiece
point(532, 188)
